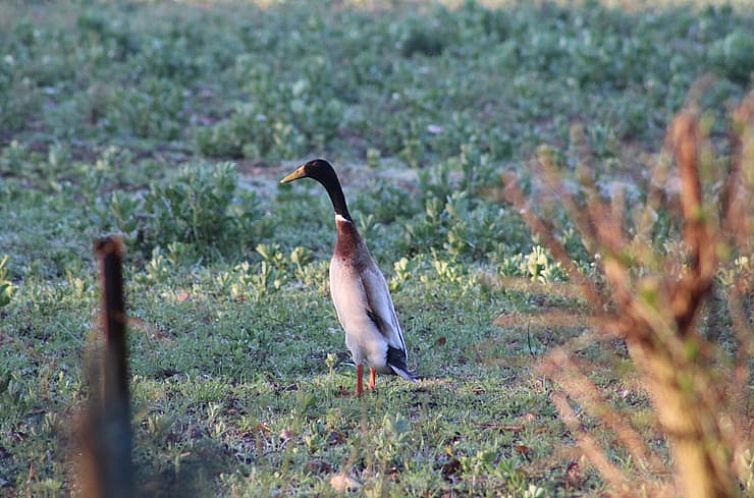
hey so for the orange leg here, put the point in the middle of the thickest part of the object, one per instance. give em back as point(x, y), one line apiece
point(359, 381)
point(372, 378)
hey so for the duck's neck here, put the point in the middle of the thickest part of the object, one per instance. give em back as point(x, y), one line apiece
point(338, 199)
point(348, 241)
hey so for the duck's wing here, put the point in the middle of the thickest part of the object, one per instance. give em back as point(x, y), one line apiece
point(380, 306)
point(381, 311)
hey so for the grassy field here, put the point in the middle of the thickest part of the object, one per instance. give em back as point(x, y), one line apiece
point(172, 122)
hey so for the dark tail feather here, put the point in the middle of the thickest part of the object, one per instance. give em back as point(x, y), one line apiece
point(396, 360)
point(404, 373)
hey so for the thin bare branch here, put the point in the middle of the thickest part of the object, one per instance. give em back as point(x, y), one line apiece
point(701, 244)
point(566, 290)
point(550, 174)
point(739, 185)
point(514, 195)
point(562, 370)
point(588, 445)
point(546, 319)
point(741, 373)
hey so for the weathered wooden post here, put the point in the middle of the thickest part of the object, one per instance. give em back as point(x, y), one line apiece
point(106, 434)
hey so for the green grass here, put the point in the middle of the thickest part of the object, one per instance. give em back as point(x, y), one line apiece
point(122, 117)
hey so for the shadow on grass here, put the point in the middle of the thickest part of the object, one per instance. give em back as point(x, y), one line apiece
point(195, 475)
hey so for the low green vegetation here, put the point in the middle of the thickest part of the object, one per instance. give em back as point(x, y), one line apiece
point(171, 123)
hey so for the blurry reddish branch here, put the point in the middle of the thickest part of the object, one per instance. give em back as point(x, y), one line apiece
point(559, 366)
point(699, 234)
point(650, 297)
point(614, 477)
point(105, 433)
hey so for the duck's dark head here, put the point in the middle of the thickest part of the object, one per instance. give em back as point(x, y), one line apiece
point(318, 169)
point(323, 172)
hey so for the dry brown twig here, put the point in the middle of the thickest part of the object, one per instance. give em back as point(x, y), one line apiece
point(559, 367)
point(652, 300)
point(591, 449)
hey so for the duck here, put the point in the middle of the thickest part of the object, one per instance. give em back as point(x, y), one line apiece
point(358, 290)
